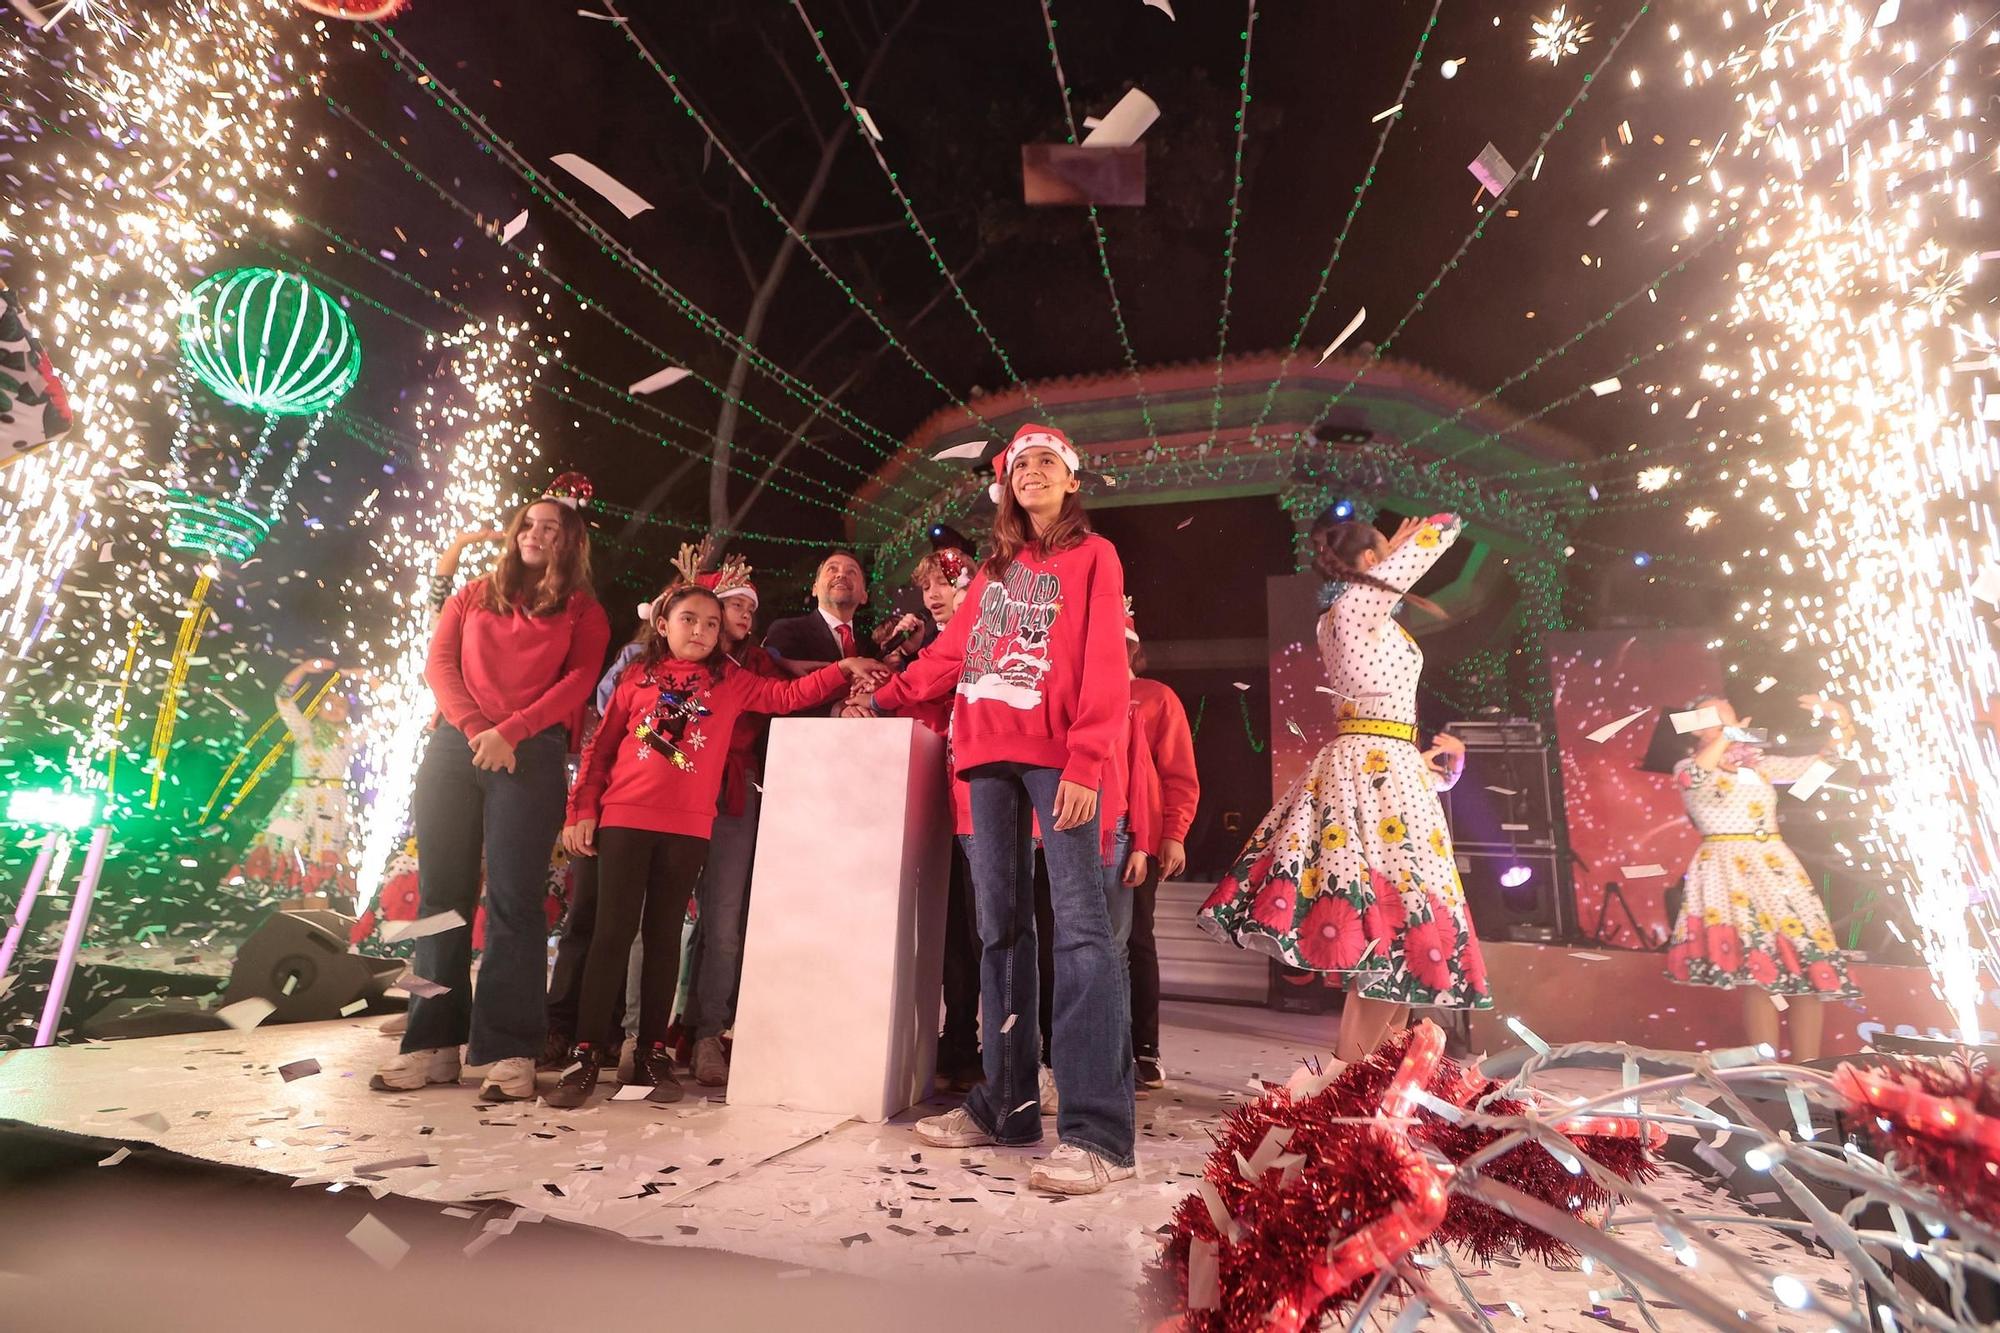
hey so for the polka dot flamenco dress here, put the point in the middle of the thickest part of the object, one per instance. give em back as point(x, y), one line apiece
point(1352, 873)
point(1751, 916)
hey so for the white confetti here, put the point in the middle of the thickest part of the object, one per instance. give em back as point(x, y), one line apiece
point(374, 1239)
point(1647, 871)
point(515, 226)
point(246, 1014)
point(1604, 388)
point(616, 192)
point(1813, 778)
point(1345, 334)
point(1124, 123)
point(1610, 729)
point(393, 931)
point(1597, 217)
point(1699, 719)
point(1381, 116)
point(660, 379)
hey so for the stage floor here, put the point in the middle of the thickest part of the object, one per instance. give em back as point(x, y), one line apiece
point(810, 1192)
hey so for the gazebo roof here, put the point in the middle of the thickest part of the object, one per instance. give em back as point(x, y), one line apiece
point(1256, 401)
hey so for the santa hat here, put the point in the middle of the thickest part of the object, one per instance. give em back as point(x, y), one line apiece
point(957, 568)
point(732, 580)
point(572, 490)
point(1032, 436)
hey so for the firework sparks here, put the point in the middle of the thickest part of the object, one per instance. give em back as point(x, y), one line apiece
point(1655, 478)
point(108, 251)
point(475, 449)
point(1700, 517)
point(1557, 36)
point(1856, 174)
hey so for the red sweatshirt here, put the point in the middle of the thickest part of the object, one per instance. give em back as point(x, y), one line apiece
point(746, 744)
point(668, 781)
point(519, 673)
point(1165, 723)
point(1037, 658)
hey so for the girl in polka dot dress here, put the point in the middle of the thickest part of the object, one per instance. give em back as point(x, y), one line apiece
point(1353, 871)
point(1752, 918)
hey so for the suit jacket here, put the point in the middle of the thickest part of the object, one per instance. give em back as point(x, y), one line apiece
point(808, 638)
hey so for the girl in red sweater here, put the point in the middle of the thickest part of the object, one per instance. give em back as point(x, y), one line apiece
point(645, 803)
point(1037, 660)
point(511, 663)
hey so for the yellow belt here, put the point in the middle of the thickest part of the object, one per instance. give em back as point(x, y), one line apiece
point(1375, 726)
point(1738, 837)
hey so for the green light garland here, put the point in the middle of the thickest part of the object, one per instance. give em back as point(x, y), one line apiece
point(1353, 211)
point(269, 341)
point(1097, 235)
point(1235, 222)
point(821, 57)
point(542, 187)
point(842, 504)
point(703, 322)
point(672, 82)
point(1479, 228)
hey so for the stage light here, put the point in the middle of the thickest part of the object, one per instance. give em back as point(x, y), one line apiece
point(1514, 876)
point(70, 810)
point(1343, 509)
point(1641, 559)
point(944, 537)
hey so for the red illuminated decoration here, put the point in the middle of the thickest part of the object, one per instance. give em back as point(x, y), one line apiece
point(360, 11)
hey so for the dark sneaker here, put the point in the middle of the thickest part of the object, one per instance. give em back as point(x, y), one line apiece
point(655, 1069)
point(578, 1081)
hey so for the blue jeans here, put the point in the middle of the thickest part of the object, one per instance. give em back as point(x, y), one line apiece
point(1091, 1024)
point(513, 819)
point(1118, 898)
point(1117, 902)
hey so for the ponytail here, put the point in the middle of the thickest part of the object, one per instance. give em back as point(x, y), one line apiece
point(1338, 550)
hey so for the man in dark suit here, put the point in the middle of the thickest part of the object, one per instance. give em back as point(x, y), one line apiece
point(826, 633)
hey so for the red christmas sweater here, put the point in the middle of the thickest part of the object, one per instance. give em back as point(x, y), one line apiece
point(1177, 788)
point(1037, 661)
point(658, 761)
point(746, 744)
point(519, 673)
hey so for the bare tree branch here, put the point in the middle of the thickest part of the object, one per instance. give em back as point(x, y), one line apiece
point(798, 92)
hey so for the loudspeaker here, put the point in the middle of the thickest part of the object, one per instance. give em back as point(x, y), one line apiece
point(300, 963)
point(1535, 910)
point(1505, 797)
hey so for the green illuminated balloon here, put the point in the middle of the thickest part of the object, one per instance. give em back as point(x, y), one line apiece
point(270, 341)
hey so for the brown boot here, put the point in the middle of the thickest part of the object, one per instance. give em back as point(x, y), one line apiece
point(711, 1066)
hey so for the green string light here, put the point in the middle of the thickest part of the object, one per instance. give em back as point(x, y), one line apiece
point(1479, 228)
point(1235, 223)
point(672, 82)
point(821, 57)
point(1103, 254)
point(841, 504)
point(1353, 211)
point(548, 191)
point(588, 304)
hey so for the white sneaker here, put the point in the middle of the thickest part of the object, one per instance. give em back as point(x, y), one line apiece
point(415, 1069)
point(509, 1080)
point(1045, 1083)
point(1073, 1170)
point(954, 1129)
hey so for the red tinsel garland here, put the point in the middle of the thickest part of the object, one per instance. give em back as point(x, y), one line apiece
point(1290, 1260)
point(1941, 1119)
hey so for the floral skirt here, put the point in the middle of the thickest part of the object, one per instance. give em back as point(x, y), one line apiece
point(1353, 873)
point(1752, 918)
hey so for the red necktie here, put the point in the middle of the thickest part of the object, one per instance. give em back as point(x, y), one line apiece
point(846, 635)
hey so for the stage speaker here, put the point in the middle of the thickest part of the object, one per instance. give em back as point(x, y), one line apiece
point(1518, 895)
point(1505, 799)
point(300, 963)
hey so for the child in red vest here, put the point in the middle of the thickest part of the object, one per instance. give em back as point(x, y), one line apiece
point(644, 804)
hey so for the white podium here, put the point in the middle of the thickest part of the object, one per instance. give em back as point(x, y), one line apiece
point(843, 959)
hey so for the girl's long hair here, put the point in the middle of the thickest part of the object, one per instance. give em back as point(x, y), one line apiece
point(654, 636)
point(1338, 555)
point(1013, 530)
point(512, 586)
